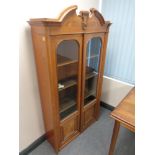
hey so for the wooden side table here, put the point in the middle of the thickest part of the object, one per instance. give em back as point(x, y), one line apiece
point(124, 114)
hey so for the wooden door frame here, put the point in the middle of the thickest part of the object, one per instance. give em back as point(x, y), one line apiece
point(56, 40)
point(86, 39)
point(101, 70)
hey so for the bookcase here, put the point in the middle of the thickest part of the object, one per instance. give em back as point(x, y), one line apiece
point(70, 55)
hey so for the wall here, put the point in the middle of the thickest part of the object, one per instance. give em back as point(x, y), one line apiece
point(31, 122)
point(119, 73)
point(113, 91)
point(120, 58)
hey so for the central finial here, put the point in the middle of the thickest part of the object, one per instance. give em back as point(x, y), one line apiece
point(84, 15)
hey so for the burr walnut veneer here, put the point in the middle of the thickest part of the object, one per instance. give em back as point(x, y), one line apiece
point(69, 54)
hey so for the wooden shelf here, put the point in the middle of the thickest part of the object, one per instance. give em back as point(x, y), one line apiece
point(91, 75)
point(89, 69)
point(67, 103)
point(92, 56)
point(89, 93)
point(62, 61)
point(67, 84)
point(89, 99)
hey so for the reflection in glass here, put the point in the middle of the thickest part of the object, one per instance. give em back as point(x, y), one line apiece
point(67, 70)
point(92, 67)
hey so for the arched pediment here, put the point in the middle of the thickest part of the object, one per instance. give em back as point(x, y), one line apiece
point(84, 21)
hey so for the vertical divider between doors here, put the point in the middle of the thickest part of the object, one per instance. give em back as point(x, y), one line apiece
point(82, 81)
point(81, 99)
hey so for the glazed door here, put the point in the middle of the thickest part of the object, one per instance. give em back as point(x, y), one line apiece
point(68, 64)
point(92, 77)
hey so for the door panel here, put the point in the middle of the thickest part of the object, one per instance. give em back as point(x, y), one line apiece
point(68, 61)
point(91, 69)
point(67, 72)
point(89, 115)
point(69, 128)
point(92, 53)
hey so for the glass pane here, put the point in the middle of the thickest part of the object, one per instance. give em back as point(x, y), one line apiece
point(67, 70)
point(92, 67)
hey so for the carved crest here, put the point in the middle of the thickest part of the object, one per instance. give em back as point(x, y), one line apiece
point(84, 15)
point(98, 15)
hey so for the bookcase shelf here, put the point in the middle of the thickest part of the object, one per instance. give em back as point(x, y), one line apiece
point(93, 56)
point(89, 93)
point(91, 75)
point(67, 84)
point(67, 103)
point(62, 61)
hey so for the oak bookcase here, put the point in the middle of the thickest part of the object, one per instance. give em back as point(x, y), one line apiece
point(70, 55)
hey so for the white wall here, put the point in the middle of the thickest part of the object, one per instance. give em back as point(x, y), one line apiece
point(113, 91)
point(31, 122)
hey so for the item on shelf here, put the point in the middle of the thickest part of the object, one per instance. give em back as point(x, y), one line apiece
point(95, 72)
point(60, 86)
point(89, 69)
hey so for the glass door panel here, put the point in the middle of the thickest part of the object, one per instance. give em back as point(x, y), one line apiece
point(92, 67)
point(67, 73)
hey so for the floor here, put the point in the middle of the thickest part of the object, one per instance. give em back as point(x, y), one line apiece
point(95, 140)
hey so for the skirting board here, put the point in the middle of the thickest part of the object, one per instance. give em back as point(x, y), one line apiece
point(107, 106)
point(32, 146)
point(113, 91)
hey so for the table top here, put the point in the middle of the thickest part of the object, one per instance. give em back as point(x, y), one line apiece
point(125, 111)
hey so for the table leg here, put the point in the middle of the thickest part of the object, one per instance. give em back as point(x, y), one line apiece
point(114, 137)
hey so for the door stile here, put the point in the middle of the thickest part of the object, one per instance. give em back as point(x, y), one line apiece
point(54, 90)
point(101, 70)
point(84, 44)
